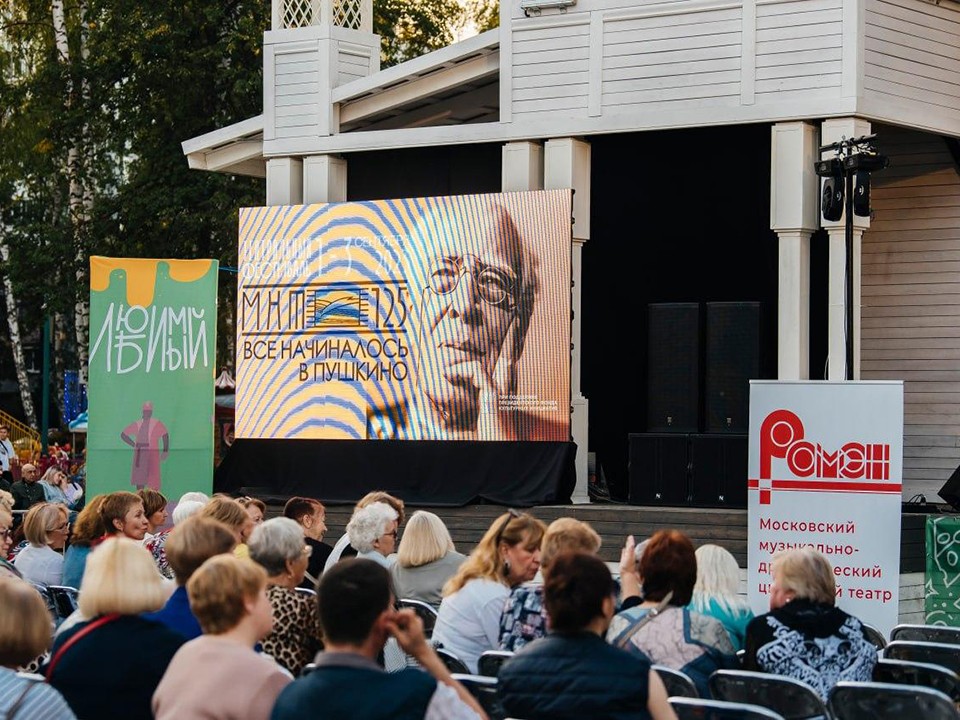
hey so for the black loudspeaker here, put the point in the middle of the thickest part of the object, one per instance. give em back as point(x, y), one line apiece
point(831, 202)
point(950, 492)
point(718, 465)
point(861, 194)
point(659, 469)
point(733, 354)
point(673, 379)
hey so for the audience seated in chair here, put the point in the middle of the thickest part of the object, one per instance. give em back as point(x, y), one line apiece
point(506, 556)
point(278, 545)
point(219, 675)
point(663, 629)
point(373, 532)
point(426, 559)
point(312, 517)
point(190, 503)
point(356, 608)
point(716, 592)
point(805, 636)
point(343, 548)
point(191, 543)
point(46, 527)
point(7, 568)
point(109, 665)
point(25, 634)
point(524, 618)
point(572, 672)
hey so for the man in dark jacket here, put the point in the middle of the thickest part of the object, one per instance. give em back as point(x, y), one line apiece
point(573, 672)
point(27, 492)
point(357, 613)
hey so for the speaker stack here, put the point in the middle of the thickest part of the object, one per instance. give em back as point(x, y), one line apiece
point(700, 363)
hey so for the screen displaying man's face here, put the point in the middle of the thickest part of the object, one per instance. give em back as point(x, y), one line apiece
point(468, 306)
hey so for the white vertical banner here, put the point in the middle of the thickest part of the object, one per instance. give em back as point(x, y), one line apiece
point(825, 470)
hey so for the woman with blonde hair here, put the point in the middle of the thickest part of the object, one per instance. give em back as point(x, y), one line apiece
point(219, 675)
point(426, 559)
point(25, 634)
point(232, 514)
point(805, 636)
point(508, 555)
point(716, 592)
point(524, 617)
point(46, 528)
point(110, 664)
point(55, 485)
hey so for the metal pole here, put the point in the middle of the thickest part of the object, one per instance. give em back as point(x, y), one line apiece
point(45, 385)
point(848, 212)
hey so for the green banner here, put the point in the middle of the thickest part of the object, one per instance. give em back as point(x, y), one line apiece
point(942, 582)
point(150, 388)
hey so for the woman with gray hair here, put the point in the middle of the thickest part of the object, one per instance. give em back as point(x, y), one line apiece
point(280, 547)
point(373, 532)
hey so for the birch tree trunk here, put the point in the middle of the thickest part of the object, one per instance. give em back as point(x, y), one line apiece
point(19, 362)
point(80, 195)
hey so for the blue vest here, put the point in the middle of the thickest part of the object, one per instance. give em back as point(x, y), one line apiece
point(348, 693)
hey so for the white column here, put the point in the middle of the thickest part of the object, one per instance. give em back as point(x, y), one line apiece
point(832, 131)
point(522, 166)
point(566, 164)
point(284, 181)
point(324, 179)
point(794, 215)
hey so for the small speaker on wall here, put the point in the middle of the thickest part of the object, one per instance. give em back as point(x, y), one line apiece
point(861, 194)
point(831, 202)
point(673, 379)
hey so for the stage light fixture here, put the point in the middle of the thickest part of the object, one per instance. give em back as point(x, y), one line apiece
point(535, 7)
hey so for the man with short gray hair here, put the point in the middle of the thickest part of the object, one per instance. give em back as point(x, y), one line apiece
point(27, 492)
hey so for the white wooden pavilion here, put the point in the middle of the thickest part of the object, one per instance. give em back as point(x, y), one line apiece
point(559, 75)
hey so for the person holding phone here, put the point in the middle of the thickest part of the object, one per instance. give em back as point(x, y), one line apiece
point(473, 285)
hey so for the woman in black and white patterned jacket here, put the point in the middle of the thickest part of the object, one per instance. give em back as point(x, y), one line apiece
point(805, 636)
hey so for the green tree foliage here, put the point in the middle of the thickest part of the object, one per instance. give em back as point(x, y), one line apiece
point(142, 76)
point(409, 28)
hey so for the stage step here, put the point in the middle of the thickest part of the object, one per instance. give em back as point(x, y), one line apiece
point(724, 527)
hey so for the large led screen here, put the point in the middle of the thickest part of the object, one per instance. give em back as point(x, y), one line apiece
point(443, 318)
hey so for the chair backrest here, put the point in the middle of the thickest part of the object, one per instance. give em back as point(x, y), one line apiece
point(701, 709)
point(67, 599)
point(453, 663)
point(905, 672)
point(790, 698)
point(305, 591)
point(490, 662)
point(484, 689)
point(885, 701)
point(425, 611)
point(925, 652)
point(926, 633)
point(307, 669)
point(678, 684)
point(874, 635)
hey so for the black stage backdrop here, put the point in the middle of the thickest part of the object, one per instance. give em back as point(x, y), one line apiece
point(450, 473)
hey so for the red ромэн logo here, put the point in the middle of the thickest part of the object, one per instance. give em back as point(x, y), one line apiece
point(782, 437)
